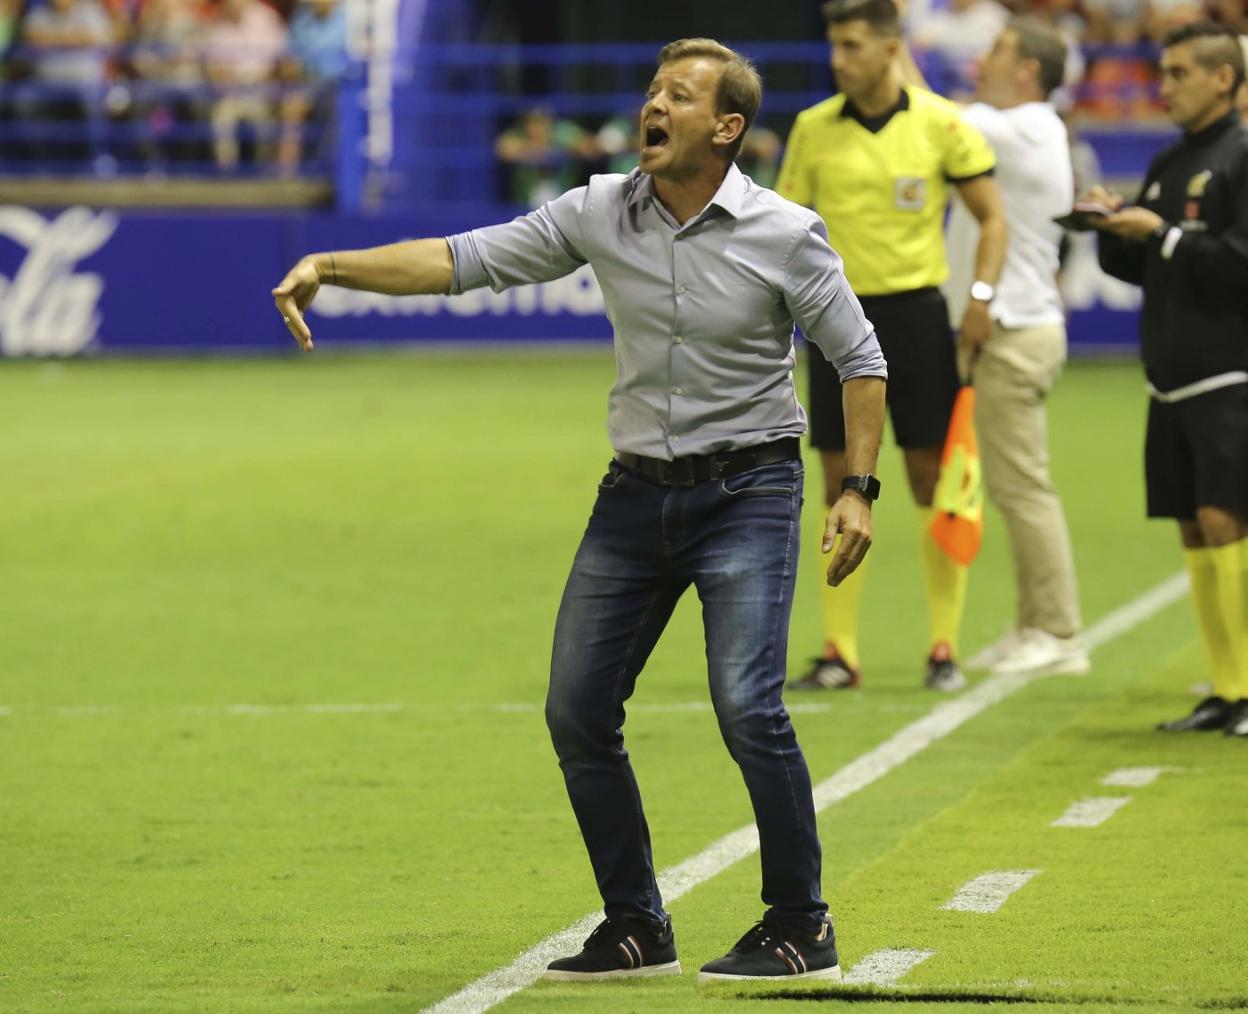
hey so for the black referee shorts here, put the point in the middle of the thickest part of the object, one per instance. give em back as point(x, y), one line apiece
point(1196, 454)
point(914, 333)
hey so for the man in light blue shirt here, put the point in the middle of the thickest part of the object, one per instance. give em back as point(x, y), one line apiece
point(703, 274)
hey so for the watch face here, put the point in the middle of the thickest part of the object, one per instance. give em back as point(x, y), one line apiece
point(982, 291)
point(867, 485)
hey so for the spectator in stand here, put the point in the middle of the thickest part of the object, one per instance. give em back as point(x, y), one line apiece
point(954, 38)
point(619, 140)
point(241, 54)
point(544, 155)
point(165, 59)
point(1232, 13)
point(68, 42)
point(10, 15)
point(318, 61)
point(1121, 81)
point(1241, 100)
point(1115, 22)
point(760, 156)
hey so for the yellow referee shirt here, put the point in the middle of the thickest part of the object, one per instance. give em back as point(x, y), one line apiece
point(882, 191)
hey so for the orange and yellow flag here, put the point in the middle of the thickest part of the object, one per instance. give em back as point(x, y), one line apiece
point(958, 505)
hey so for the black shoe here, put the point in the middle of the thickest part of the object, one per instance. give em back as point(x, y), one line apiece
point(770, 951)
point(830, 672)
point(943, 672)
point(1211, 713)
point(1237, 720)
point(617, 949)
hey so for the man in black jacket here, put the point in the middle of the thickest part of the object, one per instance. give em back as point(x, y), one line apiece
point(1186, 244)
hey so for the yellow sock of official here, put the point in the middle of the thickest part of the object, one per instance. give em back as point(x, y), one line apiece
point(840, 605)
point(944, 582)
point(1208, 605)
point(1230, 563)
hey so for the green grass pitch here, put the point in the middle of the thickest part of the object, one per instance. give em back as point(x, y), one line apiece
point(273, 643)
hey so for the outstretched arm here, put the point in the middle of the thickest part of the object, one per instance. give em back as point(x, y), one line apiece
point(417, 267)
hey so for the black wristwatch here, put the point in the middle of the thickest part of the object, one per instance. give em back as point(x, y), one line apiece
point(867, 485)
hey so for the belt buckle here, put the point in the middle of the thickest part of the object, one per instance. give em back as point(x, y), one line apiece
point(678, 472)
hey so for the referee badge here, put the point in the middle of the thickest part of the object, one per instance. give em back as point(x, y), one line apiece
point(909, 193)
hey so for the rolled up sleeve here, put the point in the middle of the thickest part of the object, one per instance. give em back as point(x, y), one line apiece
point(538, 247)
point(826, 309)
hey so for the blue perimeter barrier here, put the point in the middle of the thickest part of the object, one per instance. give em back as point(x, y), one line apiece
point(81, 280)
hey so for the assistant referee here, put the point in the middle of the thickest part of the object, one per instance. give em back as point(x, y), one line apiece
point(1186, 244)
point(876, 162)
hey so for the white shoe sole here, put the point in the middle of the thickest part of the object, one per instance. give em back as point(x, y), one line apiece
point(1077, 666)
point(644, 972)
point(832, 974)
point(986, 659)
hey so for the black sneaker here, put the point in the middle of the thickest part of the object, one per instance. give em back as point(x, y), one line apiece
point(617, 949)
point(772, 952)
point(1211, 713)
point(943, 672)
point(828, 672)
point(1237, 720)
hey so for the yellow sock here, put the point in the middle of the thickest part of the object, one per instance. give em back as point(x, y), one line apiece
point(1230, 564)
point(944, 581)
point(840, 605)
point(1208, 605)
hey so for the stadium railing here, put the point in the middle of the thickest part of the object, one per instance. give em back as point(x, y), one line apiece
point(440, 108)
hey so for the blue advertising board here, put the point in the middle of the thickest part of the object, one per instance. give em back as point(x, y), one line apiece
point(83, 280)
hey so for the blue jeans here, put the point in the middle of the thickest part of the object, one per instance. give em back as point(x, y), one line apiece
point(736, 541)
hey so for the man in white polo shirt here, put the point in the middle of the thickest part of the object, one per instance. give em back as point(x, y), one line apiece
point(1016, 367)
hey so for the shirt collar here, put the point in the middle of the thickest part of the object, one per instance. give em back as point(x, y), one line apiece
point(729, 196)
point(876, 123)
point(1215, 129)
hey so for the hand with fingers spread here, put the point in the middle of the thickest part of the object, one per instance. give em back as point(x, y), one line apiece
point(850, 518)
point(293, 296)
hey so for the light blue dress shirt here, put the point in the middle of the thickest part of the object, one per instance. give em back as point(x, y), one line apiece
point(703, 313)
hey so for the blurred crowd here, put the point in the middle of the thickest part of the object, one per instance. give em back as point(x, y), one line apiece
point(192, 79)
point(1112, 76)
point(1112, 73)
point(546, 155)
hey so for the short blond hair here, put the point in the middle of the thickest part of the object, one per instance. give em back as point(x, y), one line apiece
point(740, 88)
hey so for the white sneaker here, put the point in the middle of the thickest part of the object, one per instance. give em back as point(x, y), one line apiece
point(1040, 653)
point(991, 654)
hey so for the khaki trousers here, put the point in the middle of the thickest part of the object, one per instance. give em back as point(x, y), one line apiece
point(1015, 372)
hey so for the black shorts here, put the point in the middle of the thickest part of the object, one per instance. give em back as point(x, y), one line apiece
point(1196, 454)
point(915, 337)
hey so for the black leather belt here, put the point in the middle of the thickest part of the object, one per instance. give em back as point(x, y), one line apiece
point(695, 468)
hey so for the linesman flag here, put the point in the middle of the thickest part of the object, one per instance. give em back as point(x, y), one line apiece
point(958, 507)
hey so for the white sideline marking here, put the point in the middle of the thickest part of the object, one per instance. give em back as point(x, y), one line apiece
point(494, 987)
point(988, 892)
point(1134, 778)
point(885, 968)
point(312, 709)
point(1091, 812)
